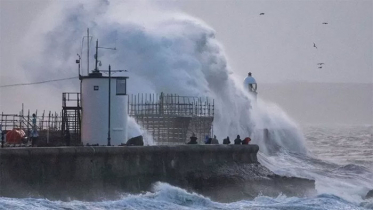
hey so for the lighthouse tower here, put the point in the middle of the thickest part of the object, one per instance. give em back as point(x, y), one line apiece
point(250, 84)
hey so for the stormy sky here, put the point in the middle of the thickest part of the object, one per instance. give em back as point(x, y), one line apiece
point(278, 47)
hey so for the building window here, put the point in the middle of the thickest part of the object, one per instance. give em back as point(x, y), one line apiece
point(121, 86)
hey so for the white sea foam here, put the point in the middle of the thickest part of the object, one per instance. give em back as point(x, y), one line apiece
point(165, 196)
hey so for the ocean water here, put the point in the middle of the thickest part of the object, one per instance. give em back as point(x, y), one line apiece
point(339, 158)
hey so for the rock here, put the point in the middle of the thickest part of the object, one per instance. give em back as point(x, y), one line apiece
point(135, 141)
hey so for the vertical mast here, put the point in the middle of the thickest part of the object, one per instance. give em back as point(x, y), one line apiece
point(87, 51)
point(96, 56)
point(108, 135)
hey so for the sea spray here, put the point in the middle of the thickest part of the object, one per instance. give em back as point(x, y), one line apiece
point(274, 131)
point(170, 52)
point(134, 129)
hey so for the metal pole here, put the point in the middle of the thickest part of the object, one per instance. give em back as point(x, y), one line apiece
point(48, 136)
point(87, 51)
point(2, 136)
point(80, 59)
point(108, 134)
point(96, 56)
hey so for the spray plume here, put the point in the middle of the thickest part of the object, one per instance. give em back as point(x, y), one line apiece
point(165, 51)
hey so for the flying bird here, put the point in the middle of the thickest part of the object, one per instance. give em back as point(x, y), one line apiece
point(325, 23)
point(314, 45)
point(320, 67)
point(320, 64)
point(261, 13)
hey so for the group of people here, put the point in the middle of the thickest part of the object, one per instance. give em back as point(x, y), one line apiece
point(237, 140)
point(208, 140)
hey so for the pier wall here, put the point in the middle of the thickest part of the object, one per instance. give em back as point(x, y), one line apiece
point(91, 172)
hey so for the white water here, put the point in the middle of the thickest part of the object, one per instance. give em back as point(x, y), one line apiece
point(164, 51)
point(165, 196)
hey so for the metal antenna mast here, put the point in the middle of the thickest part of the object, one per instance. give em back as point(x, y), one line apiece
point(87, 51)
point(96, 69)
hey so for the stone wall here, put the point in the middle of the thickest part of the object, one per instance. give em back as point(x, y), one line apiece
point(94, 172)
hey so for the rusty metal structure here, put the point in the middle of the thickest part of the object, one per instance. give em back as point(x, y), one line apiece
point(71, 117)
point(172, 119)
point(48, 125)
point(54, 129)
point(168, 118)
point(51, 121)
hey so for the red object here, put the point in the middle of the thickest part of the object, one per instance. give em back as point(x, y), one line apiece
point(15, 136)
point(246, 140)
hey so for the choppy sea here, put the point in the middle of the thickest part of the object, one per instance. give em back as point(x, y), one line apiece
point(339, 158)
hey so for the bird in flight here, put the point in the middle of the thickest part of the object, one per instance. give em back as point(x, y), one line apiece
point(320, 67)
point(261, 13)
point(314, 45)
point(325, 23)
point(320, 64)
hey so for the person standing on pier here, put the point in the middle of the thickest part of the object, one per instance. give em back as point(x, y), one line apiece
point(214, 140)
point(34, 131)
point(238, 140)
point(246, 140)
point(193, 139)
point(226, 141)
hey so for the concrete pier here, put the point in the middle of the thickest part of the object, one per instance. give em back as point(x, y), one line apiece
point(100, 172)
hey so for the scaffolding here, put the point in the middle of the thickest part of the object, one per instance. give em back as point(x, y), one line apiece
point(172, 119)
point(48, 124)
point(71, 118)
point(54, 129)
point(51, 121)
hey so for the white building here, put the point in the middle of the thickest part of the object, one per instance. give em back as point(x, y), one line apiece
point(95, 109)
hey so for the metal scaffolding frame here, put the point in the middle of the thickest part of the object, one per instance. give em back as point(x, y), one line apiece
point(172, 119)
point(53, 128)
point(48, 125)
point(51, 121)
point(71, 117)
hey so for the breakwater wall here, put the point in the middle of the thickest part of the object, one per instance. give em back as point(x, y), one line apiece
point(90, 173)
point(53, 172)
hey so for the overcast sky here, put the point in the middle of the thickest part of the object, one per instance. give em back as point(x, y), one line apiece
point(277, 46)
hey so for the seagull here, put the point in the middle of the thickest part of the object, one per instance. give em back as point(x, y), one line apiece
point(325, 23)
point(261, 13)
point(314, 45)
point(320, 64)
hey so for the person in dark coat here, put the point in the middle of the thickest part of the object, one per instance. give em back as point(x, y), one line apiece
point(246, 140)
point(238, 140)
point(214, 140)
point(226, 141)
point(208, 140)
point(193, 139)
point(34, 132)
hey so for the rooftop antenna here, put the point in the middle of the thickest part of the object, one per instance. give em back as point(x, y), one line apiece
point(96, 55)
point(81, 49)
point(87, 51)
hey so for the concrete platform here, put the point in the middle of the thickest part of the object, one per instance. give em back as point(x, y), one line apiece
point(91, 173)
